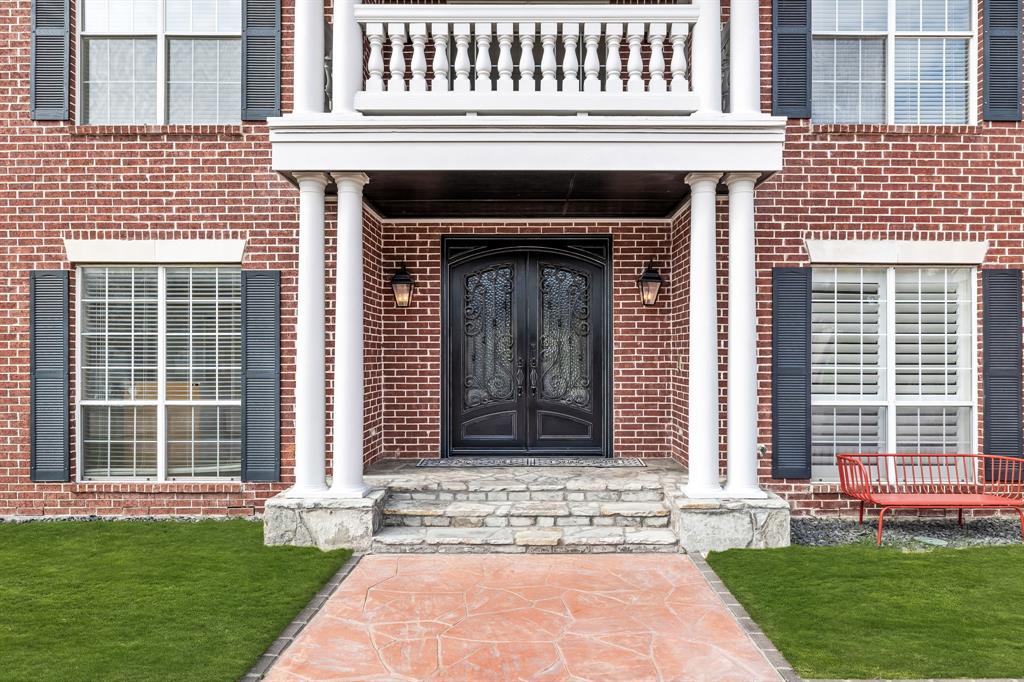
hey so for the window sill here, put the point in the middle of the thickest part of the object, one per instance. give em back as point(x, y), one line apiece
point(88, 130)
point(157, 487)
point(827, 129)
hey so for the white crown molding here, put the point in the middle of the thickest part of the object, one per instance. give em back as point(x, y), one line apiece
point(154, 250)
point(892, 252)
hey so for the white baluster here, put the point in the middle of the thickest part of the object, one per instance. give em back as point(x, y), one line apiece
point(418, 36)
point(462, 58)
point(591, 62)
point(613, 59)
point(397, 64)
point(526, 61)
point(635, 63)
point(548, 65)
point(375, 61)
point(505, 64)
point(570, 60)
point(439, 32)
point(483, 57)
point(678, 66)
point(656, 37)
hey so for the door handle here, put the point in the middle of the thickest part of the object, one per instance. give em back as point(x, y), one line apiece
point(519, 376)
point(533, 369)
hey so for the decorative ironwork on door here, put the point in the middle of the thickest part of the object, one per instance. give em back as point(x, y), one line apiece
point(565, 336)
point(487, 326)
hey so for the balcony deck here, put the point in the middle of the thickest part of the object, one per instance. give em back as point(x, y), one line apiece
point(525, 87)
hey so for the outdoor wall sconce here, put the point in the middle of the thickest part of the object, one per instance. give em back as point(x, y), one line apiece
point(402, 286)
point(650, 284)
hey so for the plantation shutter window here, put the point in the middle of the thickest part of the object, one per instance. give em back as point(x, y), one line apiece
point(160, 373)
point(1002, 60)
point(925, 47)
point(48, 375)
point(51, 30)
point(161, 61)
point(261, 59)
point(892, 366)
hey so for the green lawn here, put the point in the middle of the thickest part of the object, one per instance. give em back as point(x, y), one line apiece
point(147, 600)
point(862, 612)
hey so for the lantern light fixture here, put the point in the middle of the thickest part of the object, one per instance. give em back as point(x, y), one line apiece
point(402, 285)
point(650, 284)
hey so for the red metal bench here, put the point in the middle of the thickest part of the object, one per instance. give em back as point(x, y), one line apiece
point(893, 481)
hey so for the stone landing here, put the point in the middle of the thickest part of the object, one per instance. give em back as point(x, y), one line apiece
point(542, 510)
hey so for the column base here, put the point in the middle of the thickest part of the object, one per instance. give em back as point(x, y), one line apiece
point(744, 493)
point(703, 492)
point(716, 525)
point(325, 520)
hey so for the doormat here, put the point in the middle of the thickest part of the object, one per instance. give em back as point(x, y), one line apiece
point(488, 462)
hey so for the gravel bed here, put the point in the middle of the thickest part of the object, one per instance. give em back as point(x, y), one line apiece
point(912, 532)
point(122, 519)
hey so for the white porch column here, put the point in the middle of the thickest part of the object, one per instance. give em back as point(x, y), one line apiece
point(310, 363)
point(706, 56)
point(309, 57)
point(347, 57)
point(348, 340)
point(702, 425)
point(742, 377)
point(744, 57)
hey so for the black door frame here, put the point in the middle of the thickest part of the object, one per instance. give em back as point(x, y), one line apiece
point(596, 249)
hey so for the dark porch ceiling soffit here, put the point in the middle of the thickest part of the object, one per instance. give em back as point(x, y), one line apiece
point(533, 194)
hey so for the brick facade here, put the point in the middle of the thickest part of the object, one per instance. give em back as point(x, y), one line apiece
point(92, 182)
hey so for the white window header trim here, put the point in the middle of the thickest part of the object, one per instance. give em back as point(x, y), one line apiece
point(891, 252)
point(144, 251)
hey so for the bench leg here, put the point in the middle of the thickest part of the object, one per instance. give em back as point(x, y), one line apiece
point(881, 520)
point(960, 517)
point(1021, 512)
point(862, 512)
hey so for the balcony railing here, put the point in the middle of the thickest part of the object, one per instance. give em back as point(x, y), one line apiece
point(529, 59)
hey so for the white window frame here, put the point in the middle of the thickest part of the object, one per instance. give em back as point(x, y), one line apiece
point(161, 401)
point(891, 401)
point(163, 39)
point(890, 35)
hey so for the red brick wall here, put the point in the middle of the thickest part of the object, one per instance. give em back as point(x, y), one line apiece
point(934, 183)
point(62, 181)
point(642, 370)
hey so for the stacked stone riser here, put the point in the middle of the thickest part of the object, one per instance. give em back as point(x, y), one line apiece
point(443, 495)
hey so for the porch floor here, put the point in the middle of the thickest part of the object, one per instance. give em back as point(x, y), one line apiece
point(488, 617)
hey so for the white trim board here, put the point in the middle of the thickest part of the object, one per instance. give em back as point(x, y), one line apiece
point(193, 251)
point(891, 252)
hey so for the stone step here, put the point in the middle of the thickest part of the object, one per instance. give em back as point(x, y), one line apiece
point(525, 513)
point(427, 494)
point(533, 540)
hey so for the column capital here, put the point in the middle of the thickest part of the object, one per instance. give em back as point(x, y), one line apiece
point(311, 179)
point(358, 179)
point(740, 177)
point(695, 179)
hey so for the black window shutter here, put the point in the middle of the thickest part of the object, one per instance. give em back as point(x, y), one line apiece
point(791, 58)
point(1002, 59)
point(261, 375)
point(51, 24)
point(48, 371)
point(261, 59)
point(791, 373)
point(1001, 358)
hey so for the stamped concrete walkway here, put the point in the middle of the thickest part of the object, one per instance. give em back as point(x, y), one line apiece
point(524, 617)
